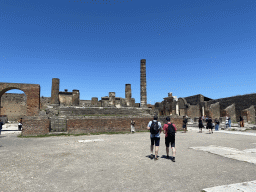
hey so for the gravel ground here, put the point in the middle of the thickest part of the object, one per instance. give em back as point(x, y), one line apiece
point(119, 163)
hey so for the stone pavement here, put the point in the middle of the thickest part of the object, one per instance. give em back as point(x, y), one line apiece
point(121, 163)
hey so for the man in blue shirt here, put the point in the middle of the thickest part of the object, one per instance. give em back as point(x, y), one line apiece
point(155, 130)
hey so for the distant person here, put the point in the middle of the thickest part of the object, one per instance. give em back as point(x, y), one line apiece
point(229, 122)
point(169, 131)
point(200, 125)
point(20, 124)
point(241, 121)
point(155, 130)
point(209, 125)
point(185, 124)
point(216, 121)
point(132, 126)
point(1, 126)
point(226, 122)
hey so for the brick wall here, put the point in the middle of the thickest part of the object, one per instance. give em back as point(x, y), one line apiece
point(214, 111)
point(14, 105)
point(35, 126)
point(193, 111)
point(108, 124)
point(249, 114)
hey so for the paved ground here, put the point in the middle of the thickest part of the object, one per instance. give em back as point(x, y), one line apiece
point(121, 163)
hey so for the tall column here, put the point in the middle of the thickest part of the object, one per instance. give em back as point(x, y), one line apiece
point(128, 95)
point(75, 97)
point(143, 84)
point(55, 91)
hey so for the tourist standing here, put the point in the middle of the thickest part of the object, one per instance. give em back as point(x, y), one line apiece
point(200, 125)
point(185, 124)
point(229, 122)
point(169, 131)
point(226, 122)
point(216, 124)
point(132, 126)
point(209, 125)
point(20, 124)
point(241, 121)
point(155, 130)
point(1, 126)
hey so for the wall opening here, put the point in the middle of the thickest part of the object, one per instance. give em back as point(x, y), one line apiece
point(14, 104)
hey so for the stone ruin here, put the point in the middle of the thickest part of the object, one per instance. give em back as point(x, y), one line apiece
point(65, 112)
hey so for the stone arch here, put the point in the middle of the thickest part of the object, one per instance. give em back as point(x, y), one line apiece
point(32, 92)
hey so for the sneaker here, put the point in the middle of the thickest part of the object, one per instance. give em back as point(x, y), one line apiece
point(173, 159)
point(156, 158)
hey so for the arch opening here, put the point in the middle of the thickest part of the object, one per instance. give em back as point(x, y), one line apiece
point(13, 103)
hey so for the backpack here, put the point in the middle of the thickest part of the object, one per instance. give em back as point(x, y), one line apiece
point(154, 127)
point(171, 130)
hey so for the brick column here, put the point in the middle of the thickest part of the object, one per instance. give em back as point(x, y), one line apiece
point(75, 97)
point(55, 91)
point(143, 84)
point(128, 94)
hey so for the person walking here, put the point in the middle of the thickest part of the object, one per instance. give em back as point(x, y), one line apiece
point(241, 121)
point(1, 126)
point(229, 122)
point(155, 130)
point(200, 125)
point(216, 124)
point(169, 131)
point(20, 124)
point(226, 122)
point(132, 126)
point(209, 125)
point(185, 124)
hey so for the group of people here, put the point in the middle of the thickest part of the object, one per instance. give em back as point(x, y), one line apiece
point(169, 130)
point(209, 124)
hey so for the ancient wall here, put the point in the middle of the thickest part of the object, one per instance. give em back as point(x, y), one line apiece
point(103, 111)
point(230, 111)
point(14, 105)
point(193, 111)
point(195, 99)
point(214, 111)
point(44, 102)
point(32, 92)
point(35, 126)
point(65, 98)
point(55, 91)
point(249, 113)
point(241, 102)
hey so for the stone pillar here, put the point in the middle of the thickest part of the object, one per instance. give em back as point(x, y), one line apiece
point(75, 97)
point(112, 97)
point(177, 108)
point(128, 94)
point(143, 84)
point(55, 91)
point(94, 101)
point(202, 110)
point(170, 94)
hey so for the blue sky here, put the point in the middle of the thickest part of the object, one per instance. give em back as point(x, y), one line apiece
point(190, 46)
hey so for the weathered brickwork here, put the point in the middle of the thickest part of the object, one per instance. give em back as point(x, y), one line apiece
point(35, 126)
point(32, 91)
point(193, 111)
point(14, 105)
point(249, 114)
point(230, 111)
point(214, 111)
point(109, 124)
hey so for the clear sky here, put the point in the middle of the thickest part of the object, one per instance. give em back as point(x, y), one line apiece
point(191, 46)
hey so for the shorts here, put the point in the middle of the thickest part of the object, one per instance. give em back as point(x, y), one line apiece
point(170, 139)
point(155, 140)
point(184, 126)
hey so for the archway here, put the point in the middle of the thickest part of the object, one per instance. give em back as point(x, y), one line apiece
point(14, 104)
point(32, 92)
